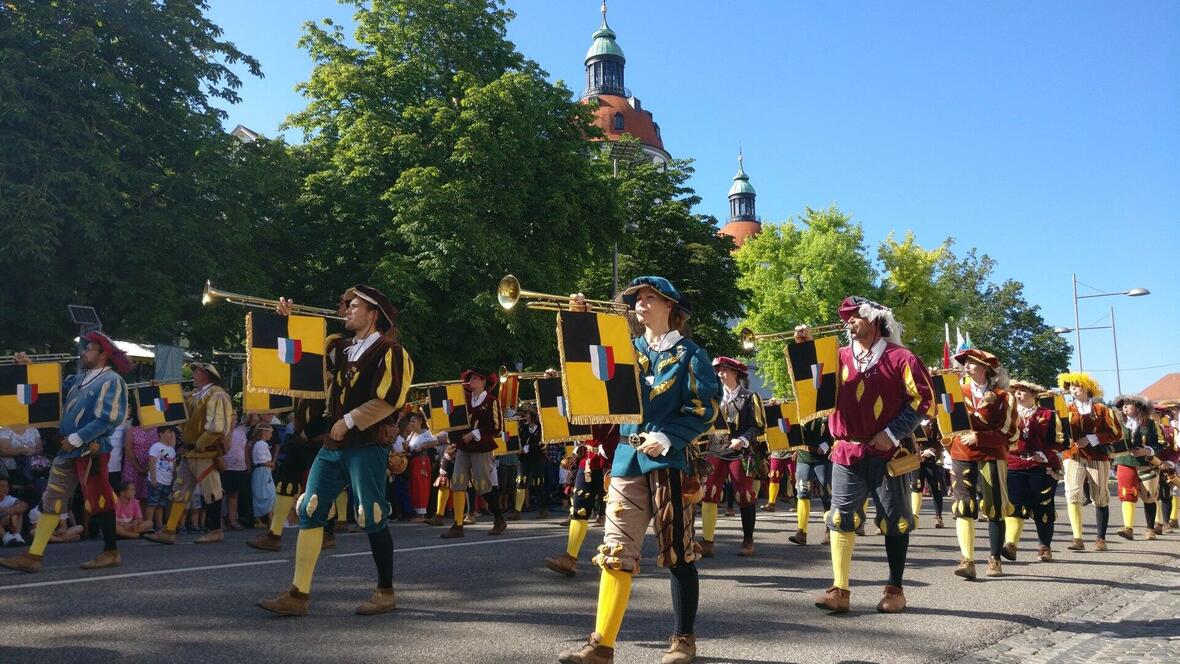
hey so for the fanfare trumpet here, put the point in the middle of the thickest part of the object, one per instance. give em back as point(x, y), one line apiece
point(437, 383)
point(147, 383)
point(9, 360)
point(505, 374)
point(750, 339)
point(231, 354)
point(211, 294)
point(509, 293)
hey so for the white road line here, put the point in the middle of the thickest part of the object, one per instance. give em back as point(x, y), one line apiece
point(255, 563)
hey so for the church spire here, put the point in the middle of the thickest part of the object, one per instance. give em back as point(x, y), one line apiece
point(742, 195)
point(605, 62)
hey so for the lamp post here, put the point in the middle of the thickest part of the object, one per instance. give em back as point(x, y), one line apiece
point(1118, 376)
point(1077, 324)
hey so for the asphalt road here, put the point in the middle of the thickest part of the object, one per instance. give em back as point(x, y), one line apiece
point(484, 599)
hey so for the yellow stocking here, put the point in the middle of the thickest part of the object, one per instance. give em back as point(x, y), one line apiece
point(803, 512)
point(708, 520)
point(282, 509)
point(175, 514)
point(578, 528)
point(444, 495)
point(1175, 507)
point(1129, 515)
point(916, 504)
point(521, 496)
point(614, 591)
point(342, 507)
point(757, 486)
point(307, 552)
point(460, 501)
point(1075, 520)
point(772, 493)
point(842, 544)
point(45, 527)
point(966, 528)
point(1013, 528)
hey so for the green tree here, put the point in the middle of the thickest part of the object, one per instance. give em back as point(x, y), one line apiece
point(442, 160)
point(909, 287)
point(798, 273)
point(118, 184)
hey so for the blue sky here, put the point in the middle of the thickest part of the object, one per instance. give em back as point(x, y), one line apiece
point(1045, 134)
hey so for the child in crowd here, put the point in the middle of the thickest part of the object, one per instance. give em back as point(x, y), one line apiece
point(12, 515)
point(261, 478)
point(129, 521)
point(161, 467)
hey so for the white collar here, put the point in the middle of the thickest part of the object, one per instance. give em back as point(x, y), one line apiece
point(91, 374)
point(1132, 423)
point(977, 390)
point(476, 401)
point(1084, 407)
point(359, 346)
point(730, 394)
point(875, 353)
point(665, 342)
point(200, 392)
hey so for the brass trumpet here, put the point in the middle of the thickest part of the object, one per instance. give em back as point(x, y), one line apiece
point(211, 294)
point(437, 383)
point(147, 383)
point(231, 354)
point(750, 340)
point(509, 293)
point(9, 360)
point(504, 374)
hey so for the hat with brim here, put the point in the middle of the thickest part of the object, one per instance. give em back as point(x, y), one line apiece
point(487, 376)
point(209, 369)
point(658, 284)
point(378, 300)
point(979, 357)
point(723, 362)
point(1141, 402)
point(118, 359)
point(1026, 385)
point(855, 305)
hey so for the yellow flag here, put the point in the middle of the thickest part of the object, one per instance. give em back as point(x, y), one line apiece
point(30, 395)
point(285, 354)
point(812, 367)
point(599, 373)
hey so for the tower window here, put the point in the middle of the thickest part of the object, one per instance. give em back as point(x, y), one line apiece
point(618, 122)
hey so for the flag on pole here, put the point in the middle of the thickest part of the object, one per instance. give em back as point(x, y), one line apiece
point(783, 430)
point(946, 347)
point(599, 373)
point(960, 343)
point(160, 405)
point(30, 395)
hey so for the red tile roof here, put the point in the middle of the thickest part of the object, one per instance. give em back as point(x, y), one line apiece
point(1167, 387)
point(636, 123)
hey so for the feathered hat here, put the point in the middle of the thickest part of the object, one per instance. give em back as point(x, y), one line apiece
point(862, 307)
point(1081, 379)
point(1141, 402)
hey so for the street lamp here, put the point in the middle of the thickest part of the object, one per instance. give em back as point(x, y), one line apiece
point(1077, 325)
point(1118, 376)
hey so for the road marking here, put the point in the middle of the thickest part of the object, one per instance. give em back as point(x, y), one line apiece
point(255, 563)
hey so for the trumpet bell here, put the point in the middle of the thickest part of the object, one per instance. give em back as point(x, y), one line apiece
point(748, 339)
point(508, 292)
point(207, 294)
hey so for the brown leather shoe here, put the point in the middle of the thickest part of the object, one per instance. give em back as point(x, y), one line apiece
point(383, 600)
point(834, 599)
point(1099, 545)
point(1158, 528)
point(565, 564)
point(25, 562)
point(211, 537)
point(938, 522)
point(1126, 533)
point(768, 507)
point(162, 536)
point(827, 537)
point(800, 537)
point(682, 649)
point(453, 532)
point(1076, 545)
point(1150, 534)
point(103, 560)
point(268, 541)
point(893, 601)
point(747, 547)
point(512, 516)
point(994, 568)
point(290, 603)
point(469, 520)
point(498, 526)
point(966, 569)
point(706, 548)
point(435, 521)
point(1008, 551)
point(329, 540)
point(1173, 523)
point(1045, 554)
point(591, 653)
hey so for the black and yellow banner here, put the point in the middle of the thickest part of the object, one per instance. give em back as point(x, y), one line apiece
point(30, 395)
point(552, 411)
point(1056, 403)
point(255, 402)
point(508, 442)
point(598, 370)
point(948, 401)
point(812, 367)
point(285, 354)
point(160, 405)
point(448, 408)
point(783, 430)
point(509, 393)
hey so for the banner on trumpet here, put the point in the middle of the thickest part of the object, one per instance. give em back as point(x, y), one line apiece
point(783, 429)
point(599, 373)
point(447, 408)
point(950, 407)
point(285, 354)
point(812, 367)
point(552, 410)
point(30, 395)
point(160, 405)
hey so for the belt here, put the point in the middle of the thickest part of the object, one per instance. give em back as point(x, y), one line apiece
point(853, 439)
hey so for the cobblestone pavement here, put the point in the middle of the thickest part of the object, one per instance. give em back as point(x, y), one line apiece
point(1117, 625)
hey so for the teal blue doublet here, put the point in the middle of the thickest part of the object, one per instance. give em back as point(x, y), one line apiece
point(680, 393)
point(361, 468)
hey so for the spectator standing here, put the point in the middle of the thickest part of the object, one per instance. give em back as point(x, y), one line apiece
point(262, 478)
point(161, 467)
point(236, 475)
